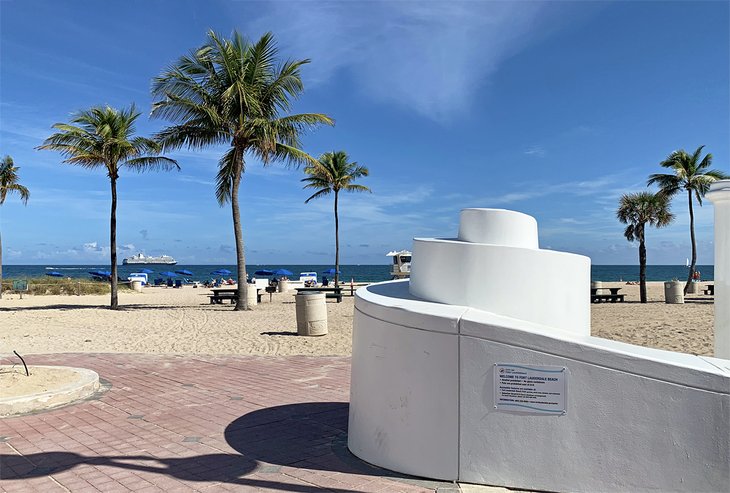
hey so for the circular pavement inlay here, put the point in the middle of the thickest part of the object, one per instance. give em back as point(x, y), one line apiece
point(47, 387)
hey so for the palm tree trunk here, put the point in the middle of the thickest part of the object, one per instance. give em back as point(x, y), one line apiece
point(642, 270)
point(242, 301)
point(337, 243)
point(693, 264)
point(113, 246)
point(1, 267)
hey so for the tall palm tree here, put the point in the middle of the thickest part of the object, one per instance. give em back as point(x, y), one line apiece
point(637, 210)
point(693, 175)
point(103, 137)
point(8, 186)
point(232, 92)
point(332, 174)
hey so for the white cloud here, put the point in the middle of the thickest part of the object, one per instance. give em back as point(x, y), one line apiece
point(601, 185)
point(92, 247)
point(431, 57)
point(537, 151)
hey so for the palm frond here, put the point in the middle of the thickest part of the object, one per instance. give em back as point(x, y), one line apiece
point(357, 188)
point(318, 194)
point(668, 184)
point(152, 163)
point(291, 156)
point(191, 136)
point(9, 181)
point(224, 178)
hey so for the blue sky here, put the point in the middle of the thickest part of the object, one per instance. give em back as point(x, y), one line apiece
point(550, 108)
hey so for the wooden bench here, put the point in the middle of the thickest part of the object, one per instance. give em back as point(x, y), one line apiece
point(710, 289)
point(334, 293)
point(613, 298)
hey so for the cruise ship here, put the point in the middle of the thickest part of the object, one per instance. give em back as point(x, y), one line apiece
point(142, 259)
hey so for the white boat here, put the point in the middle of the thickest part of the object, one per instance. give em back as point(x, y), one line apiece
point(142, 259)
point(401, 264)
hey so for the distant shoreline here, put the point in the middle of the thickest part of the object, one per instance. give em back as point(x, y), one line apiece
point(358, 272)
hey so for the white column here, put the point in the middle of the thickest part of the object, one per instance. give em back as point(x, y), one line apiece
point(719, 194)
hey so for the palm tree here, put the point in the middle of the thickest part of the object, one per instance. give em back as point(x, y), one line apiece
point(8, 186)
point(637, 210)
point(232, 92)
point(331, 174)
point(103, 137)
point(693, 175)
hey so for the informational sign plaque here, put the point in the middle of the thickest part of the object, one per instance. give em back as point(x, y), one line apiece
point(529, 389)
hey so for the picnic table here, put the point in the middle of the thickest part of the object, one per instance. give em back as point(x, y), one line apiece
point(335, 293)
point(613, 297)
point(220, 294)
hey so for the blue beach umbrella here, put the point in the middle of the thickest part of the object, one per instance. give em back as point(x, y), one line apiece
point(54, 274)
point(283, 272)
point(184, 272)
point(263, 272)
point(101, 274)
point(146, 271)
point(331, 272)
point(168, 274)
point(221, 272)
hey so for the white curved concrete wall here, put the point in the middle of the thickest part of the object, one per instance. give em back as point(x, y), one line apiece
point(638, 419)
point(424, 363)
point(719, 194)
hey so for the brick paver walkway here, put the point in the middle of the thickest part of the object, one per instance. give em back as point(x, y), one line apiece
point(196, 423)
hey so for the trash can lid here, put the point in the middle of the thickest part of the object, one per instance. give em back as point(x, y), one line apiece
point(305, 293)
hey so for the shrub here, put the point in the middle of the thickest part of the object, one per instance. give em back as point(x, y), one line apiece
point(58, 286)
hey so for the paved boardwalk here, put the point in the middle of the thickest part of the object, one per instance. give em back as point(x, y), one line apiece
point(196, 423)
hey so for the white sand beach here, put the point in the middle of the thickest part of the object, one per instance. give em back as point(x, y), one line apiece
point(163, 320)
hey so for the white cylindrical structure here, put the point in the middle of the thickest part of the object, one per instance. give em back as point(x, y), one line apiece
point(719, 194)
point(283, 285)
point(137, 286)
point(495, 265)
point(498, 227)
point(311, 314)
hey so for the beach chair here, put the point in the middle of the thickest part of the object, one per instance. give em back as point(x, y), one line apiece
point(169, 283)
point(178, 283)
point(158, 282)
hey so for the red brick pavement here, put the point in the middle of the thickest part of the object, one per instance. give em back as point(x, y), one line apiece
point(171, 423)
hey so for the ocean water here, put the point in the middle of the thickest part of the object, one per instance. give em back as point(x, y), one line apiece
point(360, 273)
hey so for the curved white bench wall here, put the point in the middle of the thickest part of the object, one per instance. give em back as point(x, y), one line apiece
point(638, 419)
